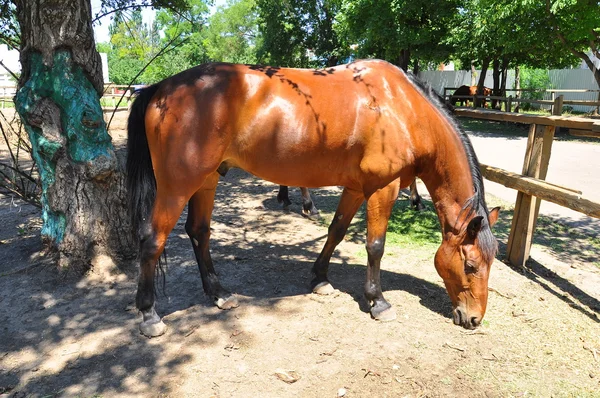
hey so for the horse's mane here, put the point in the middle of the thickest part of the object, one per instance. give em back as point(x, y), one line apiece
point(476, 204)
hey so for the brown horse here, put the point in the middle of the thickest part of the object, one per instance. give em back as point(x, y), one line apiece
point(468, 91)
point(365, 126)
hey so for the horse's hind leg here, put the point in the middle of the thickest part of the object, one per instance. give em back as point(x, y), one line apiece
point(197, 227)
point(308, 206)
point(165, 213)
point(379, 209)
point(415, 198)
point(349, 204)
point(283, 196)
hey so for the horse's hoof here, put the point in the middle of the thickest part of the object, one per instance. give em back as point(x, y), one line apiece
point(228, 303)
point(311, 215)
point(386, 315)
point(323, 288)
point(153, 328)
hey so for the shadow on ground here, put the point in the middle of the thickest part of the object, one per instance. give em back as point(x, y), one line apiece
point(95, 318)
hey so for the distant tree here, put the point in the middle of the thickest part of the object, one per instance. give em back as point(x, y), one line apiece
point(9, 26)
point(298, 33)
point(399, 31)
point(182, 34)
point(502, 34)
point(231, 34)
point(576, 24)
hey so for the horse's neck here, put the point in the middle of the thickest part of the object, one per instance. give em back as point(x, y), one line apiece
point(448, 179)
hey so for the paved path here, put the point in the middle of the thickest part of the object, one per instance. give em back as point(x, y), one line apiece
point(573, 164)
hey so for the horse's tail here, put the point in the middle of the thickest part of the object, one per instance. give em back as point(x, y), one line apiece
point(141, 184)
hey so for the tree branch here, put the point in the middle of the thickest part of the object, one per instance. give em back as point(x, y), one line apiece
point(120, 9)
point(158, 54)
point(595, 38)
point(9, 71)
point(564, 41)
point(14, 44)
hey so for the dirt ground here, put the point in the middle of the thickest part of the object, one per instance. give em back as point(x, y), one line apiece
point(63, 335)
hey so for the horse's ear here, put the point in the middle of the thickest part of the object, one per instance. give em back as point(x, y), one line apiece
point(474, 226)
point(493, 217)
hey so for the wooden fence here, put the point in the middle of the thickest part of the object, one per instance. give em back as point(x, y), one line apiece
point(111, 96)
point(510, 100)
point(531, 184)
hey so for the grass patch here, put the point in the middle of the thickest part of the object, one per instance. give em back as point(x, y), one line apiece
point(406, 227)
point(112, 102)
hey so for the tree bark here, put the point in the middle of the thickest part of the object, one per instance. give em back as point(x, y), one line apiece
point(504, 76)
point(84, 212)
point(517, 85)
point(496, 75)
point(416, 68)
point(404, 59)
point(485, 63)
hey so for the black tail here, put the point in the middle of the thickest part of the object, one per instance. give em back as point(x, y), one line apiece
point(141, 184)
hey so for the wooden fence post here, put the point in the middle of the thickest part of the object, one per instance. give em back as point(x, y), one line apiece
point(558, 105)
point(537, 158)
point(557, 109)
point(509, 104)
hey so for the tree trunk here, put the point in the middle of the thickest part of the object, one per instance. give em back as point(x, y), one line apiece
point(83, 208)
point(517, 85)
point(504, 68)
point(416, 68)
point(404, 59)
point(496, 75)
point(485, 63)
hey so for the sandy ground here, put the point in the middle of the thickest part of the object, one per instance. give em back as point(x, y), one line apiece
point(63, 335)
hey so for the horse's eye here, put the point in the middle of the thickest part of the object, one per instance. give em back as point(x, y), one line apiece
point(470, 267)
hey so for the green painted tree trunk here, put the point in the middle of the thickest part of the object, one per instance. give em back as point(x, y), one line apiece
point(83, 206)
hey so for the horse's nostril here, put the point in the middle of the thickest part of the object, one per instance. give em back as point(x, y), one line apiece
point(457, 316)
point(475, 321)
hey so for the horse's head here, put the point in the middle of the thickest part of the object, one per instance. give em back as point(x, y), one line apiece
point(463, 261)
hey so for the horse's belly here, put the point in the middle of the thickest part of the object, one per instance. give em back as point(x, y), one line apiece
point(303, 169)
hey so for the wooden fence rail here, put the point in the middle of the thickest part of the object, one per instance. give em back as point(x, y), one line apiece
point(531, 184)
point(508, 101)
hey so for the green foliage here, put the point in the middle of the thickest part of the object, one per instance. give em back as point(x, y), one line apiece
point(133, 44)
point(388, 28)
point(9, 27)
point(298, 33)
point(534, 79)
point(232, 33)
point(509, 31)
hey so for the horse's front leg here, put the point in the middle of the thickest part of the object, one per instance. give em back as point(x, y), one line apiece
point(197, 227)
point(349, 204)
point(153, 235)
point(379, 209)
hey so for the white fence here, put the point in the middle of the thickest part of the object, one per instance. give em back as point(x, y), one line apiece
point(565, 79)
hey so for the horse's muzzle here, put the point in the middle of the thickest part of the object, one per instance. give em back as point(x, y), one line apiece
point(460, 317)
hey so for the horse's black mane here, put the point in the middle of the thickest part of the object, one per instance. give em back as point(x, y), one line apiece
point(476, 204)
